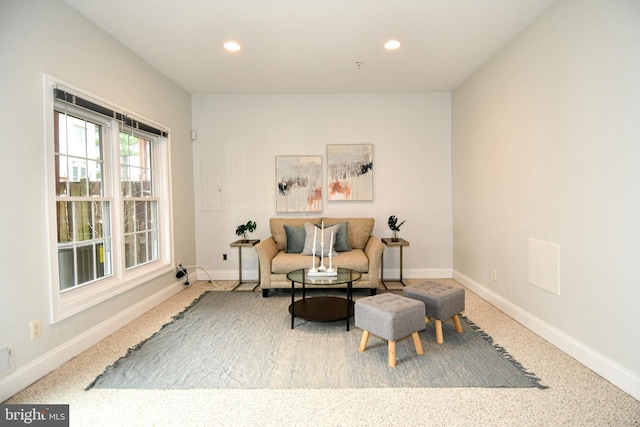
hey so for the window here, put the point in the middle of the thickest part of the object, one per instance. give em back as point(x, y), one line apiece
point(109, 216)
point(140, 206)
point(82, 209)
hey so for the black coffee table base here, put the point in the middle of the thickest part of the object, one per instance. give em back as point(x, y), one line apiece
point(322, 309)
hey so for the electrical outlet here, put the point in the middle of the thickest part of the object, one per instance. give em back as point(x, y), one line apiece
point(224, 257)
point(495, 275)
point(35, 326)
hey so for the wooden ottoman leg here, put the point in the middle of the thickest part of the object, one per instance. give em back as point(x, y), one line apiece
point(392, 354)
point(363, 341)
point(439, 339)
point(417, 343)
point(456, 322)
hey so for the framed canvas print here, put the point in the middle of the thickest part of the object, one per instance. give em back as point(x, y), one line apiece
point(350, 172)
point(298, 183)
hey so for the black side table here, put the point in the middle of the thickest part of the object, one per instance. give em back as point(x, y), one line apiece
point(392, 243)
point(245, 244)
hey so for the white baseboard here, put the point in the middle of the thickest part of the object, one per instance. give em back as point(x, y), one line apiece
point(618, 375)
point(38, 368)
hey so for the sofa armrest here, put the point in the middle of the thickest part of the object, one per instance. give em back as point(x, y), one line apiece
point(373, 250)
point(266, 250)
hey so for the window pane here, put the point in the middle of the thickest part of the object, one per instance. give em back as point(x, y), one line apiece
point(98, 231)
point(153, 245)
point(60, 129)
point(142, 248)
point(129, 251)
point(141, 216)
point(129, 217)
point(82, 216)
point(61, 175)
point(152, 216)
point(65, 222)
point(85, 264)
point(76, 137)
point(124, 148)
point(94, 170)
point(66, 268)
point(105, 258)
point(125, 181)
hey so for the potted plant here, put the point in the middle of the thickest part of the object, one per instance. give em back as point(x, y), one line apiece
point(244, 228)
point(395, 227)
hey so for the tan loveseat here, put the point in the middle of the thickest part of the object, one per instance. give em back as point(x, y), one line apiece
point(275, 262)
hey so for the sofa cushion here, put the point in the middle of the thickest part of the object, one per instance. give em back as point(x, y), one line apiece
point(359, 230)
point(355, 259)
point(284, 263)
point(295, 239)
point(316, 233)
point(277, 228)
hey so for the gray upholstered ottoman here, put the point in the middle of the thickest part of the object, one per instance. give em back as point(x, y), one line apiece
point(391, 317)
point(442, 302)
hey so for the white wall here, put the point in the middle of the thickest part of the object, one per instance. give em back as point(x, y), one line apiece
point(239, 137)
point(545, 145)
point(47, 36)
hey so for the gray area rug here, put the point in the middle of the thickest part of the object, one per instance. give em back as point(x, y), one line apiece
point(241, 340)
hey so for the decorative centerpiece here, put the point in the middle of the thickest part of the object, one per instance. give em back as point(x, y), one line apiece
point(321, 270)
point(244, 228)
point(395, 227)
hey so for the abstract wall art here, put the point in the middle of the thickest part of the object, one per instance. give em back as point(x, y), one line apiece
point(350, 172)
point(298, 183)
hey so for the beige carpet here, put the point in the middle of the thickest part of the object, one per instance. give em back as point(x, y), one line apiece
point(576, 396)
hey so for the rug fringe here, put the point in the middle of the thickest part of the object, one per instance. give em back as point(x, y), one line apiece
point(505, 354)
point(141, 343)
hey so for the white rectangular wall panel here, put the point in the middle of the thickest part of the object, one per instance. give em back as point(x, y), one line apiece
point(544, 265)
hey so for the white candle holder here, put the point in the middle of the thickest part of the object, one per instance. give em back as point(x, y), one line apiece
point(313, 261)
point(322, 267)
point(330, 269)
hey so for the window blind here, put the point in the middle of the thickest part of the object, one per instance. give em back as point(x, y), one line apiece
point(73, 99)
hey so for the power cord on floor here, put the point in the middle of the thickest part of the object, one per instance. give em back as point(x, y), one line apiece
point(182, 272)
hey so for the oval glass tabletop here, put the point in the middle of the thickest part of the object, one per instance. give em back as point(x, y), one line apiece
point(345, 275)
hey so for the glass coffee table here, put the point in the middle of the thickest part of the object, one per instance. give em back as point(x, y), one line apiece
point(325, 308)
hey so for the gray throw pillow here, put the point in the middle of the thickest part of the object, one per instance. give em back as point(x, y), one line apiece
point(310, 232)
point(295, 239)
point(342, 238)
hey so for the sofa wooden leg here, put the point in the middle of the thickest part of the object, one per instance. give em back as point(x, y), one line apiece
point(456, 322)
point(439, 339)
point(417, 343)
point(392, 354)
point(265, 293)
point(363, 341)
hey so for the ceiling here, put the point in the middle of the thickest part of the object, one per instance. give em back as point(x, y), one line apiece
point(304, 46)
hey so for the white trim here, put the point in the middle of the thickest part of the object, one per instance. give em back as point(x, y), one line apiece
point(38, 368)
point(618, 375)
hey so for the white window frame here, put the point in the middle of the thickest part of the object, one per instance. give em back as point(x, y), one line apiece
point(75, 300)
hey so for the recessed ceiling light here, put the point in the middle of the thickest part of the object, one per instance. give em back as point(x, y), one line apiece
point(392, 44)
point(232, 46)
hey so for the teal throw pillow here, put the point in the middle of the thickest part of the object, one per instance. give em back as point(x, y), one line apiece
point(342, 239)
point(295, 239)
